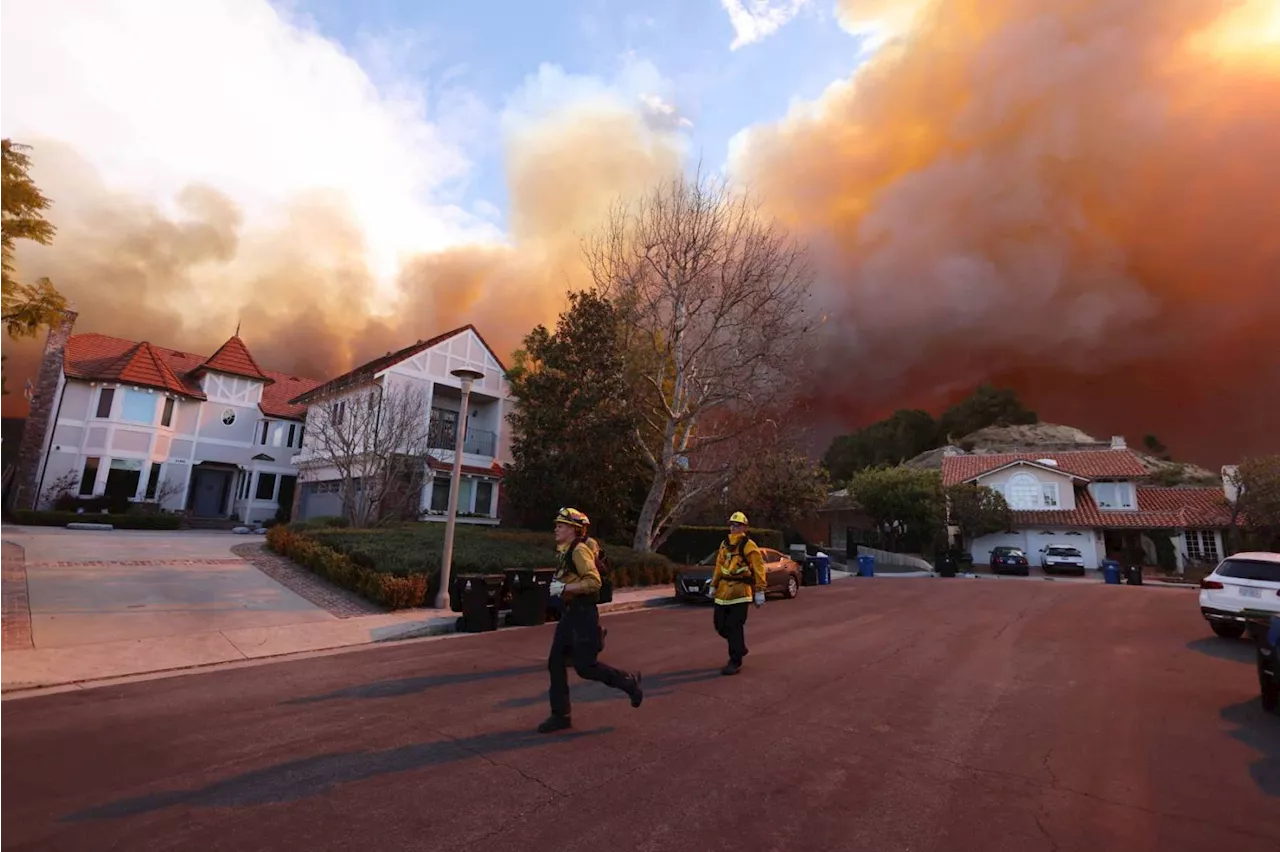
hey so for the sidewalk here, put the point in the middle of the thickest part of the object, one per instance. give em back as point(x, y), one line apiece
point(38, 668)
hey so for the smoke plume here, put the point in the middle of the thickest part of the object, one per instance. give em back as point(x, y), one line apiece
point(1078, 197)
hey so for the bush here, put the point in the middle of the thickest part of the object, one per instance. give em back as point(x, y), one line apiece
point(119, 521)
point(320, 523)
point(392, 591)
point(691, 544)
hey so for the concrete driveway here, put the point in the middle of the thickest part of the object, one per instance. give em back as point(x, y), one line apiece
point(88, 588)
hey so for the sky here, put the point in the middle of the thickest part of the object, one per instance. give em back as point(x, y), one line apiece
point(1070, 197)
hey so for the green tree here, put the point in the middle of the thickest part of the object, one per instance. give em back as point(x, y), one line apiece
point(986, 406)
point(573, 424)
point(1257, 507)
point(1153, 445)
point(977, 511)
point(778, 487)
point(903, 435)
point(26, 307)
point(905, 505)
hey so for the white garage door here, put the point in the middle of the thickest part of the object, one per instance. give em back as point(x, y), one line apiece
point(982, 547)
point(1079, 539)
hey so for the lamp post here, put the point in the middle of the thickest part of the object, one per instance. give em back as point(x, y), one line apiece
point(446, 559)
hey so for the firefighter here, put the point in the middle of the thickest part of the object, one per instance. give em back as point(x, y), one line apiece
point(578, 638)
point(738, 581)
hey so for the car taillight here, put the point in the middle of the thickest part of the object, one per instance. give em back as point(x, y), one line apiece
point(1210, 584)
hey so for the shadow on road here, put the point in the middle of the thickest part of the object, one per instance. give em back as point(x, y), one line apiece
point(1235, 650)
point(655, 685)
point(312, 776)
point(414, 685)
point(1261, 732)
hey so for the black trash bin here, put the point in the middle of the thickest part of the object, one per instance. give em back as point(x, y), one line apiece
point(809, 572)
point(947, 564)
point(481, 595)
point(530, 591)
point(1133, 575)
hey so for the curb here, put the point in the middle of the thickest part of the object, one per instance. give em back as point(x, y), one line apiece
point(449, 626)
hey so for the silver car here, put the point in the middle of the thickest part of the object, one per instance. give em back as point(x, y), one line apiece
point(1062, 559)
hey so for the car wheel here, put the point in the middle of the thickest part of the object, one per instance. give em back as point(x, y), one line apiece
point(793, 587)
point(1227, 629)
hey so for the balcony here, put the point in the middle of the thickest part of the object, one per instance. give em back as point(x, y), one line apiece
point(443, 435)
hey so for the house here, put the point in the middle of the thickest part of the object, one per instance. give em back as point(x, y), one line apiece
point(838, 524)
point(207, 435)
point(1095, 500)
point(425, 368)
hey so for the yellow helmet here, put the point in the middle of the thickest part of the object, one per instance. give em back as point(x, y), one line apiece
point(738, 518)
point(573, 518)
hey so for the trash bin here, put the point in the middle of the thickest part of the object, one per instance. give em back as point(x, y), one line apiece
point(1133, 575)
point(822, 564)
point(1111, 572)
point(947, 564)
point(480, 596)
point(809, 572)
point(530, 592)
point(866, 566)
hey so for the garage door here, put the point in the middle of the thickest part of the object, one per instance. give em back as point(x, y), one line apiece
point(1080, 540)
point(982, 547)
point(319, 499)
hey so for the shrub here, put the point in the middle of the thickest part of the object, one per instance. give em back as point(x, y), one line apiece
point(691, 544)
point(321, 522)
point(119, 521)
point(389, 590)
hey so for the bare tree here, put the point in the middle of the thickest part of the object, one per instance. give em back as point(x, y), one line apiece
point(68, 484)
point(376, 439)
point(712, 297)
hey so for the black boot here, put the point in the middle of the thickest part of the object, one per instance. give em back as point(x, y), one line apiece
point(555, 723)
point(636, 691)
point(604, 631)
point(732, 668)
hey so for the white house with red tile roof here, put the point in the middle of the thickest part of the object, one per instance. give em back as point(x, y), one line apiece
point(426, 366)
point(1094, 500)
point(212, 436)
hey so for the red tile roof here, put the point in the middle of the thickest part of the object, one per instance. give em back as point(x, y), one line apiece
point(365, 372)
point(495, 470)
point(98, 357)
point(1158, 508)
point(1090, 464)
point(233, 357)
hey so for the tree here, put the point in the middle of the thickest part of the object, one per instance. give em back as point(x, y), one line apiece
point(1257, 505)
point(573, 423)
point(375, 437)
point(776, 488)
point(986, 406)
point(903, 435)
point(710, 298)
point(977, 511)
point(905, 505)
point(1153, 445)
point(26, 307)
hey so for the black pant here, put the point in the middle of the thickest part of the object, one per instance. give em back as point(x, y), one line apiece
point(731, 623)
point(577, 639)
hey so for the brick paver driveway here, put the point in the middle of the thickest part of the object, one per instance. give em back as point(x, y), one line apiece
point(883, 715)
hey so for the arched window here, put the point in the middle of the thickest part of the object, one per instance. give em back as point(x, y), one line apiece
point(1023, 491)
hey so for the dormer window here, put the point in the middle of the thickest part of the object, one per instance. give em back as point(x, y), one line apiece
point(1113, 495)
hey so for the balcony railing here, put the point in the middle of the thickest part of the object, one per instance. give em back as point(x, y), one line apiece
point(444, 436)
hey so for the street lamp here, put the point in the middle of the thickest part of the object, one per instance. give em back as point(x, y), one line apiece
point(446, 559)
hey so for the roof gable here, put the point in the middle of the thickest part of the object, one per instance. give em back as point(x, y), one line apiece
point(1084, 464)
point(233, 358)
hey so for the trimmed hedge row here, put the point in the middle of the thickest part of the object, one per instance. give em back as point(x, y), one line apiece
point(390, 590)
point(121, 522)
point(692, 544)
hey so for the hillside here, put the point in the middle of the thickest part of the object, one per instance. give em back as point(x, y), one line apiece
point(1052, 437)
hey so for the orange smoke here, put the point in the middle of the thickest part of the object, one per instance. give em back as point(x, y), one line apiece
point(1076, 196)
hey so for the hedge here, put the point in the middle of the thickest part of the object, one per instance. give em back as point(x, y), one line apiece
point(393, 592)
point(692, 544)
point(121, 522)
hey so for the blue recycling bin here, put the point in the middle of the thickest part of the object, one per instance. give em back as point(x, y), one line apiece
point(1111, 572)
point(822, 563)
point(866, 566)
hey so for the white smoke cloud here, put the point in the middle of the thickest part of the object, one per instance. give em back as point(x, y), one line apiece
point(756, 20)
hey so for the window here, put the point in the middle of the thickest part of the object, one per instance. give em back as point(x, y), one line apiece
point(262, 432)
point(106, 396)
point(288, 484)
point(1049, 494)
point(88, 476)
point(166, 418)
point(123, 476)
point(440, 494)
point(228, 416)
point(484, 498)
point(266, 487)
point(1023, 491)
point(153, 482)
point(1250, 569)
point(245, 476)
point(337, 411)
point(138, 407)
point(292, 427)
point(1113, 495)
point(1202, 545)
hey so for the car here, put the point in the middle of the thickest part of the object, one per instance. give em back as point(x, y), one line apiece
point(1243, 581)
point(1010, 560)
point(782, 576)
point(1062, 559)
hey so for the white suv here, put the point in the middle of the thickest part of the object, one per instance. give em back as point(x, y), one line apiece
point(1245, 581)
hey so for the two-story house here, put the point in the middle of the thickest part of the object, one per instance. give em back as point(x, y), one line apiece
point(1094, 500)
point(210, 436)
point(425, 369)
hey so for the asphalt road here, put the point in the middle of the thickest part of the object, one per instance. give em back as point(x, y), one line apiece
point(876, 715)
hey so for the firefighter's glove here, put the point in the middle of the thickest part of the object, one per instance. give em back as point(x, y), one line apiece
point(557, 588)
point(759, 599)
point(711, 590)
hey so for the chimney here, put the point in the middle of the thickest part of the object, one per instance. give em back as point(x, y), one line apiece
point(1230, 485)
point(36, 431)
point(1118, 443)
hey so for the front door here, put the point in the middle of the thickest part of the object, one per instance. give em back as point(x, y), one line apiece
point(211, 493)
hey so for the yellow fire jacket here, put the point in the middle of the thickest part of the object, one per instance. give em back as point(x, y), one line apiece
point(738, 576)
point(579, 566)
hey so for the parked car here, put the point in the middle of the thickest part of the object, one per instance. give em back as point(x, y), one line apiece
point(1010, 560)
point(1245, 581)
point(1062, 559)
point(782, 576)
